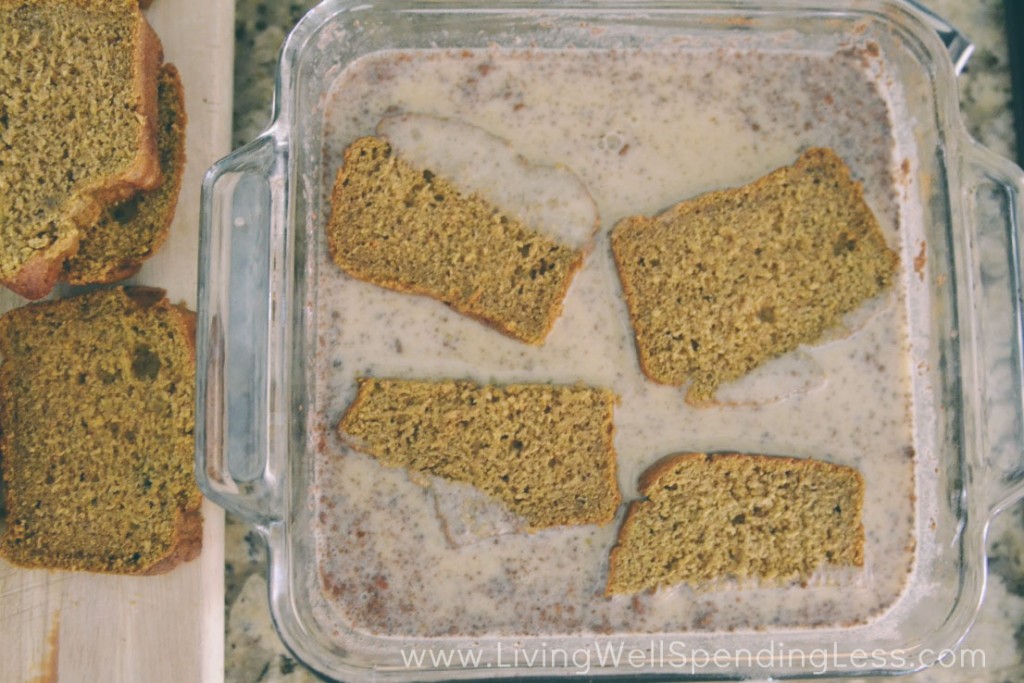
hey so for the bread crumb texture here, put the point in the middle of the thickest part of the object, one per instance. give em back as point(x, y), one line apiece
point(131, 231)
point(719, 284)
point(72, 120)
point(708, 517)
point(545, 451)
point(97, 418)
point(411, 230)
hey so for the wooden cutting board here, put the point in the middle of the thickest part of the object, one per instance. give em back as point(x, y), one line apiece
point(80, 627)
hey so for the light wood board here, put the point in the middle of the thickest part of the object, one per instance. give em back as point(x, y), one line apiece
point(80, 627)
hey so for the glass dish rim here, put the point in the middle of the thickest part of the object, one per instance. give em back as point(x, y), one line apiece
point(276, 139)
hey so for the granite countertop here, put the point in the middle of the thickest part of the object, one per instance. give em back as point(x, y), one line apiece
point(253, 650)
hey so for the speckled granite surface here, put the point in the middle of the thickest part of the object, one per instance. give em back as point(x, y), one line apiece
point(253, 650)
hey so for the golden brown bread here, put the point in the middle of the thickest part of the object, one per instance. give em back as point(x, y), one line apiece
point(413, 231)
point(721, 283)
point(545, 451)
point(77, 119)
point(97, 417)
point(707, 517)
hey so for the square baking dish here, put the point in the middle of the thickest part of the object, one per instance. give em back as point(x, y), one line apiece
point(265, 366)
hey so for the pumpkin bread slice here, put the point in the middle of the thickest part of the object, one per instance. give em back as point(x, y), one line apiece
point(77, 126)
point(97, 417)
point(411, 230)
point(708, 517)
point(543, 450)
point(719, 284)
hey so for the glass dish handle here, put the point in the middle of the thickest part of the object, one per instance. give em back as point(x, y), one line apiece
point(242, 200)
point(995, 196)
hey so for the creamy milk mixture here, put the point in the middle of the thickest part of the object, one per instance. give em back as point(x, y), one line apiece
point(641, 130)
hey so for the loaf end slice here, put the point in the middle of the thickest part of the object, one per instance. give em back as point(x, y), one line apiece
point(97, 418)
point(709, 517)
point(77, 122)
point(719, 284)
point(411, 230)
point(545, 451)
point(131, 231)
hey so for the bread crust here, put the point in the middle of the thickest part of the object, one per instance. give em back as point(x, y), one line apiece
point(40, 273)
point(173, 77)
point(187, 546)
point(144, 173)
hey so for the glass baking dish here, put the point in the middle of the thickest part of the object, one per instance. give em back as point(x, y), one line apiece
point(263, 255)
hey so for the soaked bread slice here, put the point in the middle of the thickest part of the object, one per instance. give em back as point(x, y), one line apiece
point(412, 230)
point(708, 517)
point(77, 123)
point(545, 451)
point(719, 284)
point(131, 231)
point(97, 417)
